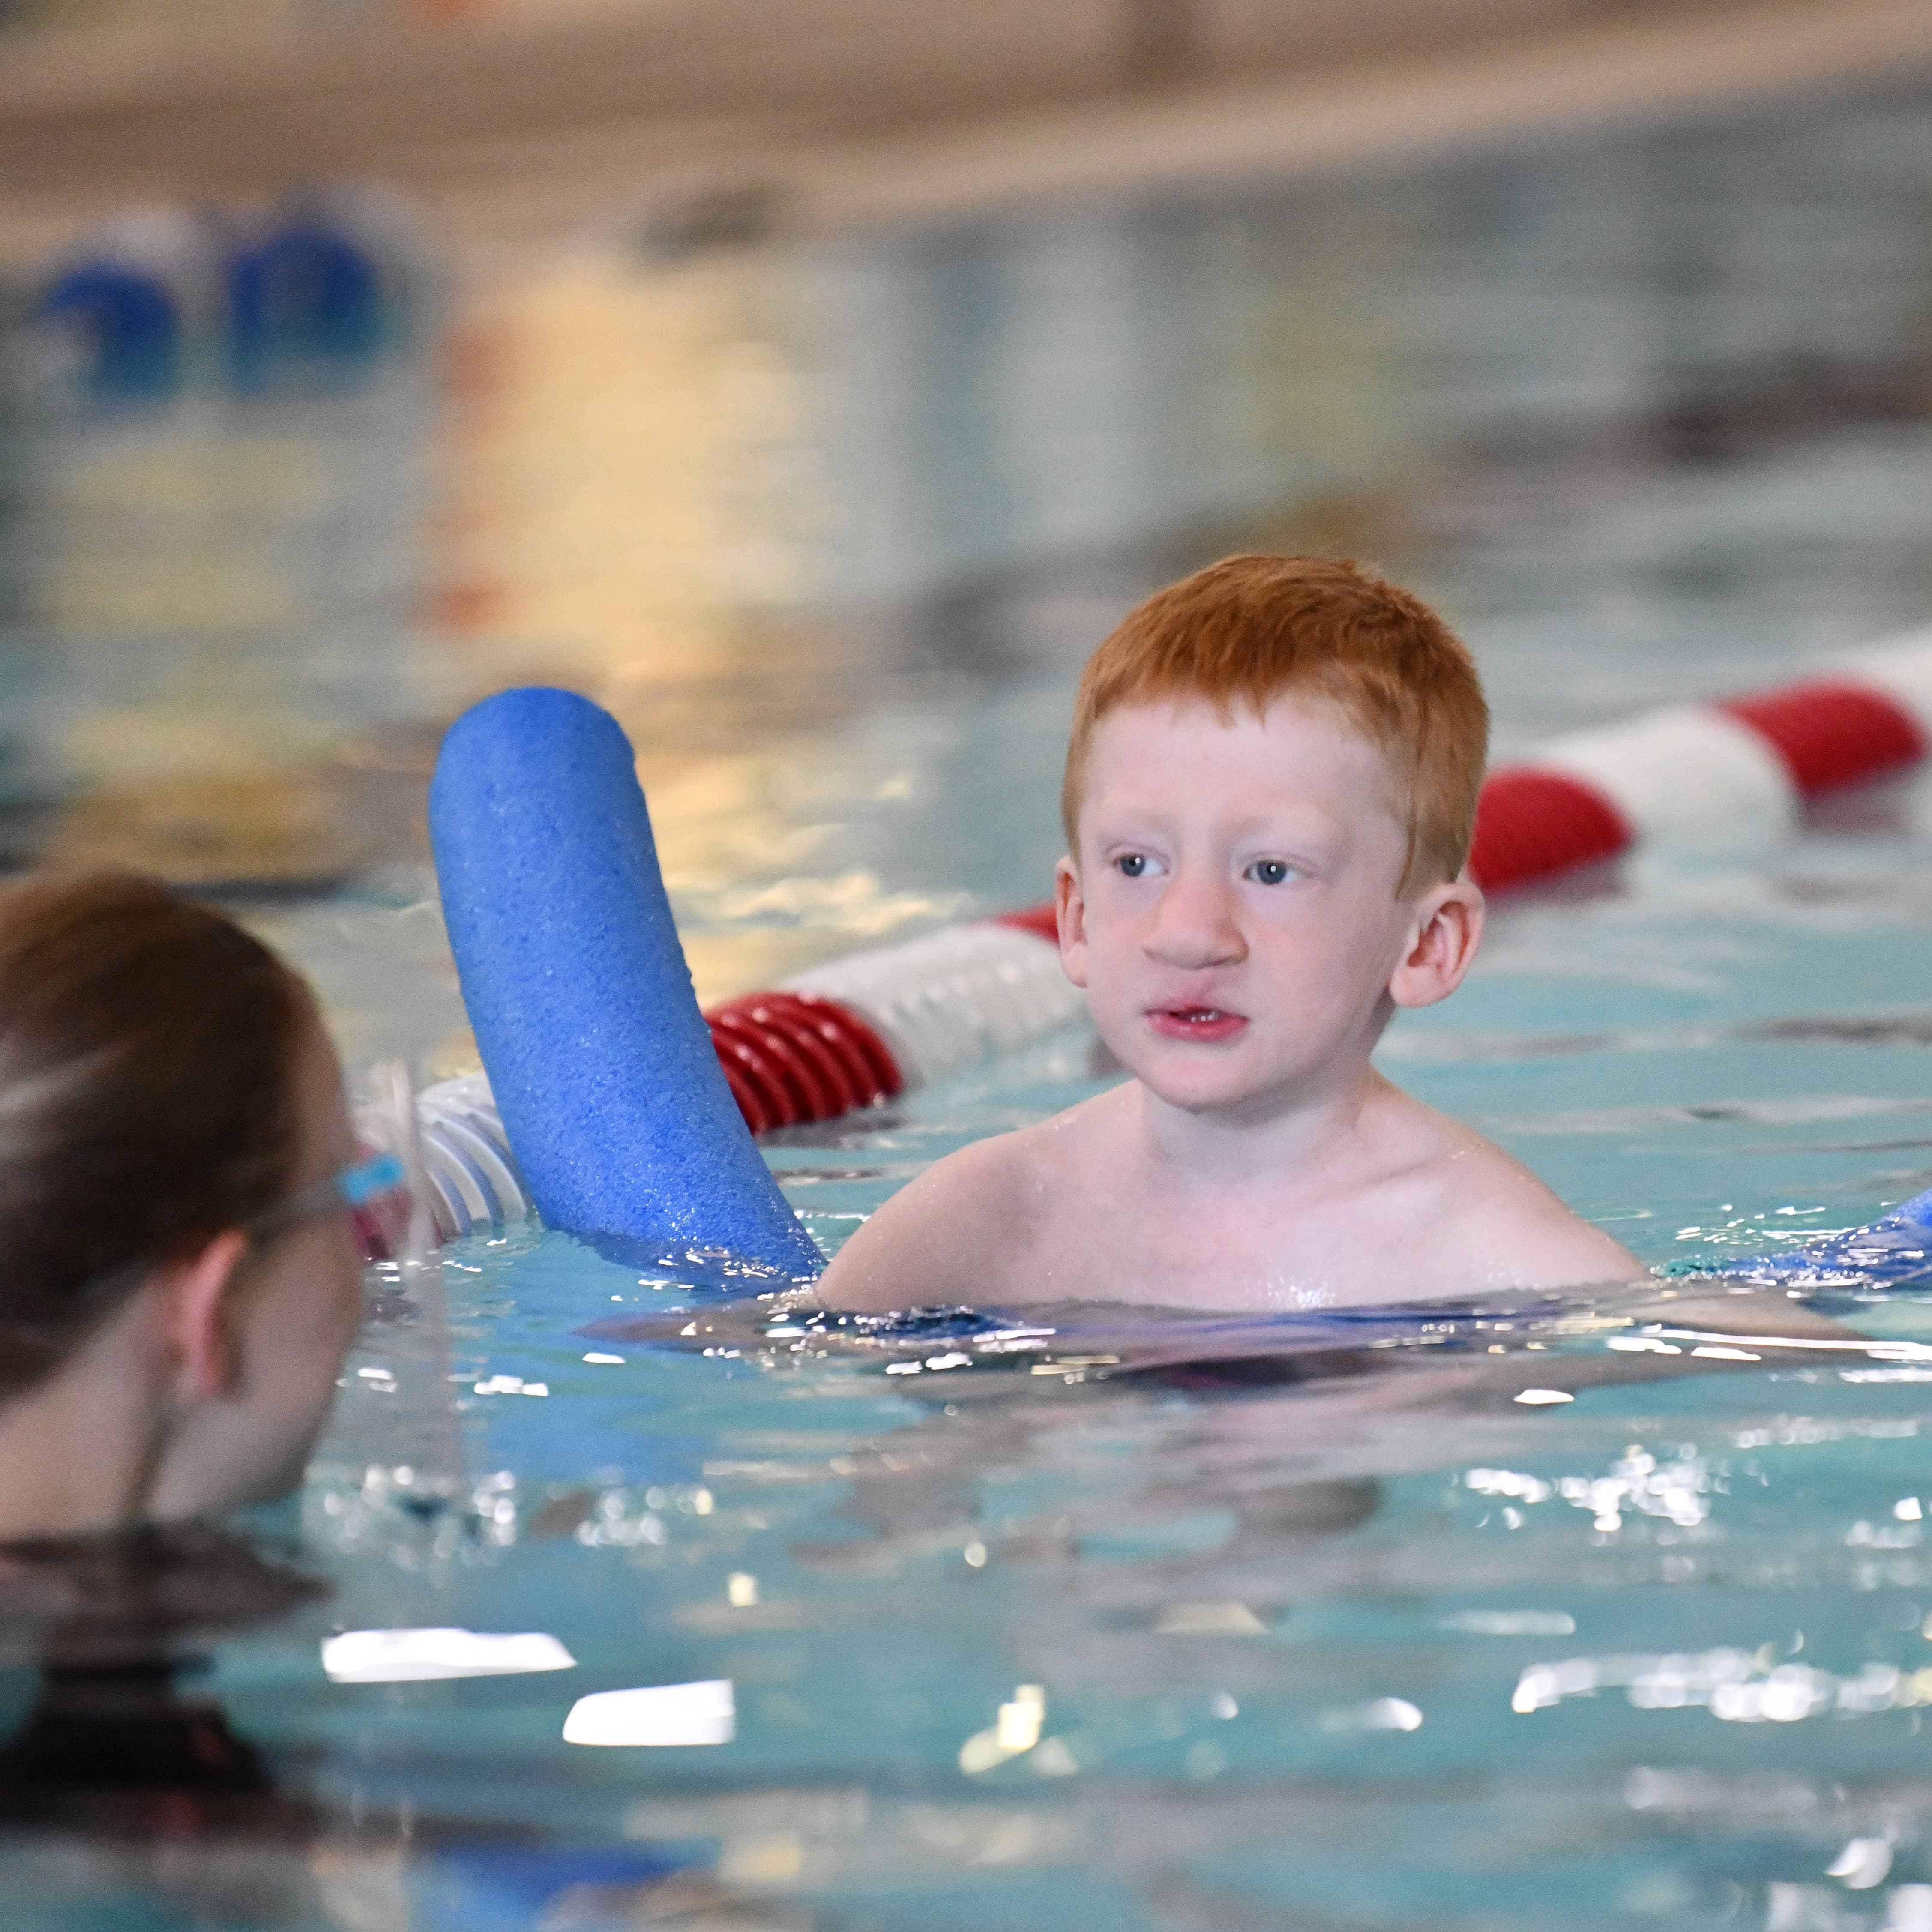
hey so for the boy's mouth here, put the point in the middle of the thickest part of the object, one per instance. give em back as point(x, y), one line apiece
point(1203, 1024)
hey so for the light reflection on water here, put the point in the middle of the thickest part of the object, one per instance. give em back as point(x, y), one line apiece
point(1154, 1616)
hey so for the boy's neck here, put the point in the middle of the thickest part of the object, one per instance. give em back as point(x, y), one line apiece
point(1261, 1138)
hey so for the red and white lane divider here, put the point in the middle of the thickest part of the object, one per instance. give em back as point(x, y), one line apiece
point(849, 1034)
point(1590, 795)
point(856, 1031)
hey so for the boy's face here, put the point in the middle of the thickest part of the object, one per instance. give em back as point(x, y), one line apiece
point(1232, 909)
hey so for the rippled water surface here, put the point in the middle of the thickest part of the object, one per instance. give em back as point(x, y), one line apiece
point(1059, 1619)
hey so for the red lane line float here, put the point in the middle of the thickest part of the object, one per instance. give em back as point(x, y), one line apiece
point(1530, 823)
point(1831, 733)
point(857, 1030)
point(1042, 921)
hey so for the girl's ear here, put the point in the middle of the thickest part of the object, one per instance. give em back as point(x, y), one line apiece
point(1070, 906)
point(199, 1297)
point(1442, 942)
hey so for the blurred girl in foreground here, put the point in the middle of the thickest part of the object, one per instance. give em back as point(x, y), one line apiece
point(179, 1279)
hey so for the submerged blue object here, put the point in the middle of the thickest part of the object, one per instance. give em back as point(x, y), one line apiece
point(1888, 1253)
point(602, 1065)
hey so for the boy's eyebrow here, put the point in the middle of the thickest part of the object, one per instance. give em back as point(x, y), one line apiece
point(1317, 841)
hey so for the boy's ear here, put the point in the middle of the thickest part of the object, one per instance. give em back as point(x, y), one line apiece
point(1442, 942)
point(1071, 907)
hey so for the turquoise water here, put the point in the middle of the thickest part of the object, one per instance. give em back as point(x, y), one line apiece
point(1065, 1628)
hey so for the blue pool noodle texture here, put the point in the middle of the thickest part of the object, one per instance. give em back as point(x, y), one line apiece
point(601, 1062)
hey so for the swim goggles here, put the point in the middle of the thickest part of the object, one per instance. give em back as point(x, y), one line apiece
point(374, 1191)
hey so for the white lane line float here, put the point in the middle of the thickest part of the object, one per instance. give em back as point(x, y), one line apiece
point(859, 1030)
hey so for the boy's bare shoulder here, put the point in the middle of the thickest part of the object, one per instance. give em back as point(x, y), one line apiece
point(945, 1235)
point(1499, 1226)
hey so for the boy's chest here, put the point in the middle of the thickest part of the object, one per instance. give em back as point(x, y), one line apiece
point(1232, 1248)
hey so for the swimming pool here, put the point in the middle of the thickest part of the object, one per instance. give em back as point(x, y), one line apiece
point(1018, 1640)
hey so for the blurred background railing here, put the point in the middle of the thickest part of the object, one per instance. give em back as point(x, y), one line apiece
point(551, 106)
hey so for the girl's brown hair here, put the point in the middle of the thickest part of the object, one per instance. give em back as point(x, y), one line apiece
point(147, 1097)
point(1250, 629)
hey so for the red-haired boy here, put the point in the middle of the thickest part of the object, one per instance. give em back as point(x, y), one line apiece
point(1270, 789)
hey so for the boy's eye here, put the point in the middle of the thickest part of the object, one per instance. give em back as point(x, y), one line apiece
point(1132, 865)
point(1269, 871)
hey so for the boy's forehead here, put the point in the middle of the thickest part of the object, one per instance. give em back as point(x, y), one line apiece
point(1303, 757)
point(1298, 734)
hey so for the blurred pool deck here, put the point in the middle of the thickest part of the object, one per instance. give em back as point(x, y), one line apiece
point(510, 123)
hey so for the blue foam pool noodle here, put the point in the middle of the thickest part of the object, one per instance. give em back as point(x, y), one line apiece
point(602, 1065)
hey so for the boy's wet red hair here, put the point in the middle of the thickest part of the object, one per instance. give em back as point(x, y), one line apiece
point(1250, 629)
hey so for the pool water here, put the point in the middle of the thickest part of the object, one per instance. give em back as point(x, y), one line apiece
point(1055, 1618)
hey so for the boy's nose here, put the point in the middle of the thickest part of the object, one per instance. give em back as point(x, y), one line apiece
point(1194, 923)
